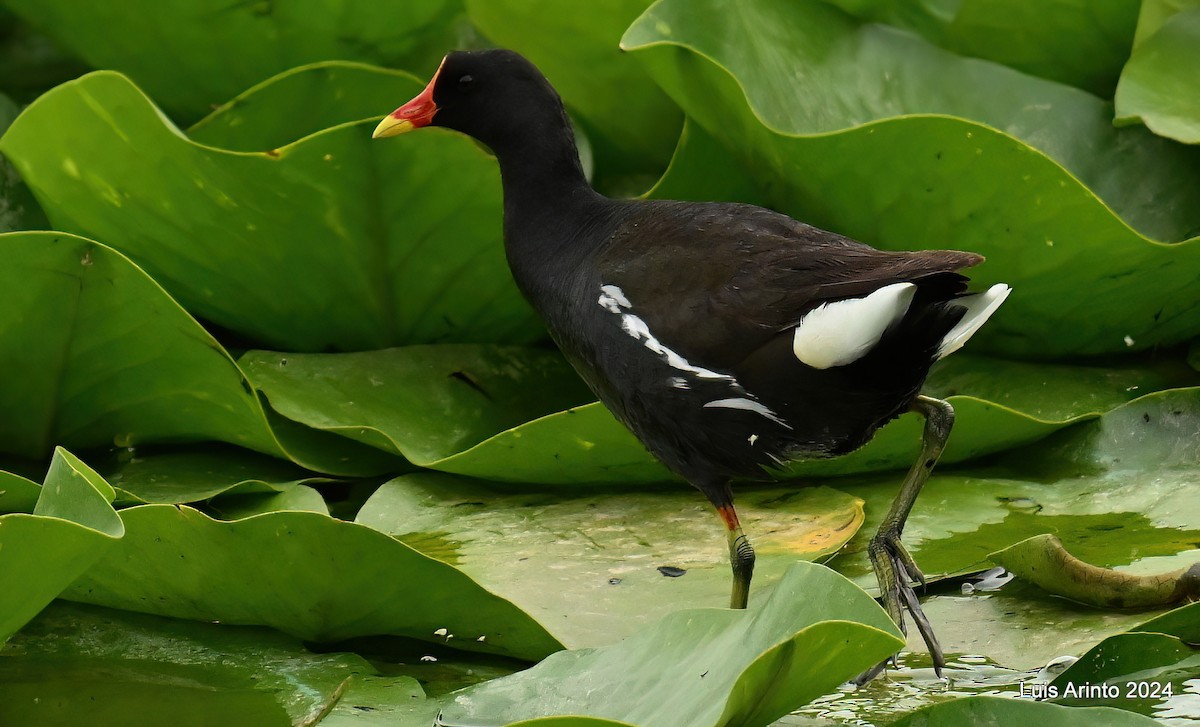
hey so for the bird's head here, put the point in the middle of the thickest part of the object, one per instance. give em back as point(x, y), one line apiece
point(495, 96)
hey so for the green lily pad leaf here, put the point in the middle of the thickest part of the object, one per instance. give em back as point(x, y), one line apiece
point(1082, 44)
point(689, 176)
point(999, 405)
point(1044, 561)
point(300, 498)
point(814, 631)
point(1160, 86)
point(423, 402)
point(193, 474)
point(17, 494)
point(1183, 622)
point(988, 711)
point(72, 526)
point(98, 354)
point(1142, 673)
point(324, 580)
point(587, 563)
point(303, 101)
point(1028, 173)
point(254, 41)
point(79, 664)
point(629, 121)
point(383, 247)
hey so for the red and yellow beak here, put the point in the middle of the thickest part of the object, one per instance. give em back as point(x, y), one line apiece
point(412, 115)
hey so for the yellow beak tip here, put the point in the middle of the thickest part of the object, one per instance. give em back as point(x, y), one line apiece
point(391, 126)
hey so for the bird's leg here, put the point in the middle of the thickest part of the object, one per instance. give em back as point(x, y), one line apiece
point(741, 556)
point(894, 568)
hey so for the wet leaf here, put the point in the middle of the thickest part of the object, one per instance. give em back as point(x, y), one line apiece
point(996, 711)
point(1044, 561)
point(303, 573)
point(79, 664)
point(755, 666)
point(334, 242)
point(589, 564)
point(71, 527)
point(97, 354)
point(1160, 85)
point(256, 40)
point(1029, 174)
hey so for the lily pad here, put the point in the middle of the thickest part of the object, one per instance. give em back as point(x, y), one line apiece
point(1160, 86)
point(423, 402)
point(303, 573)
point(300, 498)
point(97, 354)
point(330, 243)
point(999, 405)
point(192, 56)
point(1043, 560)
point(79, 664)
point(193, 474)
point(588, 564)
point(72, 526)
point(703, 667)
point(302, 101)
point(17, 494)
point(1083, 44)
point(1141, 671)
point(630, 122)
point(986, 711)
point(1029, 174)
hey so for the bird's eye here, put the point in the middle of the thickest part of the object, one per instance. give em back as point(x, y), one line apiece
point(465, 80)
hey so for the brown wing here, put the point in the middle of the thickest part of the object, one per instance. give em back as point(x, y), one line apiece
point(720, 280)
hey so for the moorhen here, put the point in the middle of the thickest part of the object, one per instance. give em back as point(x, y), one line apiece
point(728, 338)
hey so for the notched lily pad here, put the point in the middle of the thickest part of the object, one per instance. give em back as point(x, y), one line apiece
point(334, 242)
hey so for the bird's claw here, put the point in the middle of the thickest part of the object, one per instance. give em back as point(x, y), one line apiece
point(896, 570)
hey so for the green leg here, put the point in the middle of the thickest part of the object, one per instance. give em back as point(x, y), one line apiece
point(894, 568)
point(741, 556)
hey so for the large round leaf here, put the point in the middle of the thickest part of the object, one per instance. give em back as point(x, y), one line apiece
point(303, 573)
point(192, 55)
point(1027, 172)
point(587, 563)
point(333, 242)
point(96, 354)
point(997, 712)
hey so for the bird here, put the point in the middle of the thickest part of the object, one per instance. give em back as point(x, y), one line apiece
point(729, 338)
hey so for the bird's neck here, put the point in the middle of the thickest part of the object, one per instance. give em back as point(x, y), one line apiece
point(546, 195)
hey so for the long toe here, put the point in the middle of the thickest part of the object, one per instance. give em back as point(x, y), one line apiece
point(896, 571)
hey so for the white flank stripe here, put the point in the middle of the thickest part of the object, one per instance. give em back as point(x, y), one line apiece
point(979, 308)
point(613, 300)
point(748, 405)
point(839, 333)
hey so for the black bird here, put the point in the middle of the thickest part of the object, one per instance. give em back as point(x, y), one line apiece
point(727, 337)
